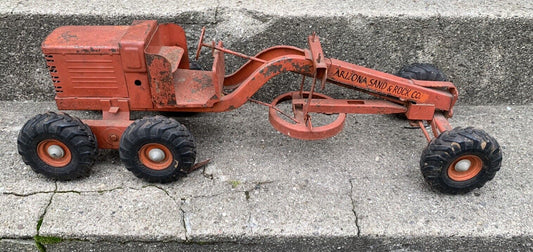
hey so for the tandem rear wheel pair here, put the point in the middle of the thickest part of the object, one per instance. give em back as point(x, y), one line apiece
point(62, 147)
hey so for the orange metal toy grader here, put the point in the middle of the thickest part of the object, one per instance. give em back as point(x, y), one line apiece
point(145, 67)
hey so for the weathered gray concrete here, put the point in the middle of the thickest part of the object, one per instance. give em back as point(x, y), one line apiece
point(280, 7)
point(485, 47)
point(18, 245)
point(20, 214)
point(312, 244)
point(361, 189)
point(146, 214)
point(262, 191)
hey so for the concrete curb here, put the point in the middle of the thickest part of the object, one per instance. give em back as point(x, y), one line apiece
point(484, 48)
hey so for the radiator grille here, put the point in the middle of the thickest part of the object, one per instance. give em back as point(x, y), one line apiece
point(52, 68)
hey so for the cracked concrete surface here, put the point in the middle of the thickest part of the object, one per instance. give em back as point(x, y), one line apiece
point(360, 189)
point(124, 214)
point(354, 207)
point(20, 214)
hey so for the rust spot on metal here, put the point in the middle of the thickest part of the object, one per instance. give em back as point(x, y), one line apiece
point(301, 68)
point(67, 36)
point(273, 70)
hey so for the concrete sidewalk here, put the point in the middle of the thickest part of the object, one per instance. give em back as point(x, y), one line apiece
point(361, 190)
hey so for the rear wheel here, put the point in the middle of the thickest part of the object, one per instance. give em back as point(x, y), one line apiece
point(57, 145)
point(460, 160)
point(422, 71)
point(157, 149)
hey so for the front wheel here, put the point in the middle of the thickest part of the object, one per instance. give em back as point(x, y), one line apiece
point(157, 149)
point(460, 160)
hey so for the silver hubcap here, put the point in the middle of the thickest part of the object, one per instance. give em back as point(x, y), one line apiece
point(156, 155)
point(463, 165)
point(55, 151)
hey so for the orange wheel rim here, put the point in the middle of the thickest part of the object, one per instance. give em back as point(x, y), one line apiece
point(155, 156)
point(465, 168)
point(54, 153)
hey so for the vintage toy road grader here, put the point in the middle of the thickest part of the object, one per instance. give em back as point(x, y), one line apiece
point(145, 67)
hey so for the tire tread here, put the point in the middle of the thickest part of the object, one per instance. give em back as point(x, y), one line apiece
point(165, 129)
point(441, 151)
point(70, 130)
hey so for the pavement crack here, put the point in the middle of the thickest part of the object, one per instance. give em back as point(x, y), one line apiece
point(55, 191)
point(184, 219)
point(70, 191)
point(37, 236)
point(260, 183)
point(353, 209)
point(208, 195)
point(160, 188)
point(107, 190)
point(164, 190)
point(27, 194)
point(216, 12)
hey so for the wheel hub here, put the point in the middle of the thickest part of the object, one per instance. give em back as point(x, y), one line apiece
point(463, 165)
point(55, 151)
point(156, 155)
point(465, 168)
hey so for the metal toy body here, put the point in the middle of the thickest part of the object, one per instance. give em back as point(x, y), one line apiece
point(145, 67)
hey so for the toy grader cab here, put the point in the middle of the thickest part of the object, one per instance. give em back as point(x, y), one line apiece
point(146, 67)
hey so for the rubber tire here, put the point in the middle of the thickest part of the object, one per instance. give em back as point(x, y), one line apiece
point(160, 130)
point(443, 150)
point(71, 131)
point(422, 71)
